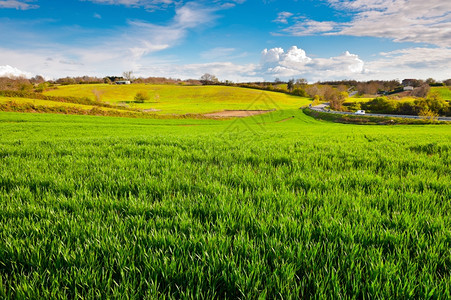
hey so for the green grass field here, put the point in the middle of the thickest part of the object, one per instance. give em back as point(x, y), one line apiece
point(445, 92)
point(277, 206)
point(173, 99)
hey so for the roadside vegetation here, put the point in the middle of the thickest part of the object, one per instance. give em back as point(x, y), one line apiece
point(432, 104)
point(351, 118)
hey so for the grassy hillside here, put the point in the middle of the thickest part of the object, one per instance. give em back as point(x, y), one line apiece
point(445, 92)
point(174, 99)
point(274, 206)
point(48, 103)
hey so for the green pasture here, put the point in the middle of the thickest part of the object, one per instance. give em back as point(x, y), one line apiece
point(173, 99)
point(279, 206)
point(445, 92)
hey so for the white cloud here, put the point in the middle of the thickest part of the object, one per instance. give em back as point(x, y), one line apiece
point(17, 4)
point(97, 16)
point(416, 21)
point(295, 63)
point(310, 27)
point(8, 71)
point(283, 17)
point(419, 62)
point(192, 15)
point(413, 63)
point(217, 53)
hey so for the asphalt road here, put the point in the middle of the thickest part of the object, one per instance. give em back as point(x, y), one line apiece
point(322, 108)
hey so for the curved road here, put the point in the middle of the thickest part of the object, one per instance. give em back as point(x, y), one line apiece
point(322, 108)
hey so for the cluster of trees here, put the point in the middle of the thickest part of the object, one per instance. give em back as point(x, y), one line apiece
point(79, 80)
point(387, 87)
point(429, 81)
point(432, 105)
point(371, 87)
point(293, 87)
point(336, 96)
point(22, 84)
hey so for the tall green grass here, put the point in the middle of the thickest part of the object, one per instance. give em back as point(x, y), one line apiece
point(95, 207)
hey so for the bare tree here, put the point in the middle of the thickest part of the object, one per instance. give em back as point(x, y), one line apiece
point(301, 81)
point(421, 91)
point(208, 79)
point(337, 99)
point(37, 79)
point(128, 75)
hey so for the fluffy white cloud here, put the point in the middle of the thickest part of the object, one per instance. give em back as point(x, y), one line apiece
point(419, 62)
point(416, 21)
point(17, 4)
point(295, 63)
point(8, 71)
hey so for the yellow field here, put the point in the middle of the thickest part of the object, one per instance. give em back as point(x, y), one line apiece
point(49, 103)
point(173, 99)
point(356, 99)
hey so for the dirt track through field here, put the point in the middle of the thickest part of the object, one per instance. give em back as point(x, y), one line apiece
point(236, 113)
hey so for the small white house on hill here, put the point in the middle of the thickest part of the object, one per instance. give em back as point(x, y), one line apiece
point(408, 88)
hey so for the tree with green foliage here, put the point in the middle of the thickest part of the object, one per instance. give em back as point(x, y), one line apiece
point(299, 92)
point(434, 102)
point(141, 97)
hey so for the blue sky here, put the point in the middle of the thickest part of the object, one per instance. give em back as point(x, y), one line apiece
point(238, 40)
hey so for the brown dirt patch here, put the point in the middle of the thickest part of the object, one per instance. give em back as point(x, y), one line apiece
point(236, 113)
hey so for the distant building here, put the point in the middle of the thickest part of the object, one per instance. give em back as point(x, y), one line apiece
point(412, 82)
point(408, 88)
point(123, 82)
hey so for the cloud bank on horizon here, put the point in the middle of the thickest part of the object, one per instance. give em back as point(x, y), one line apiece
point(326, 40)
